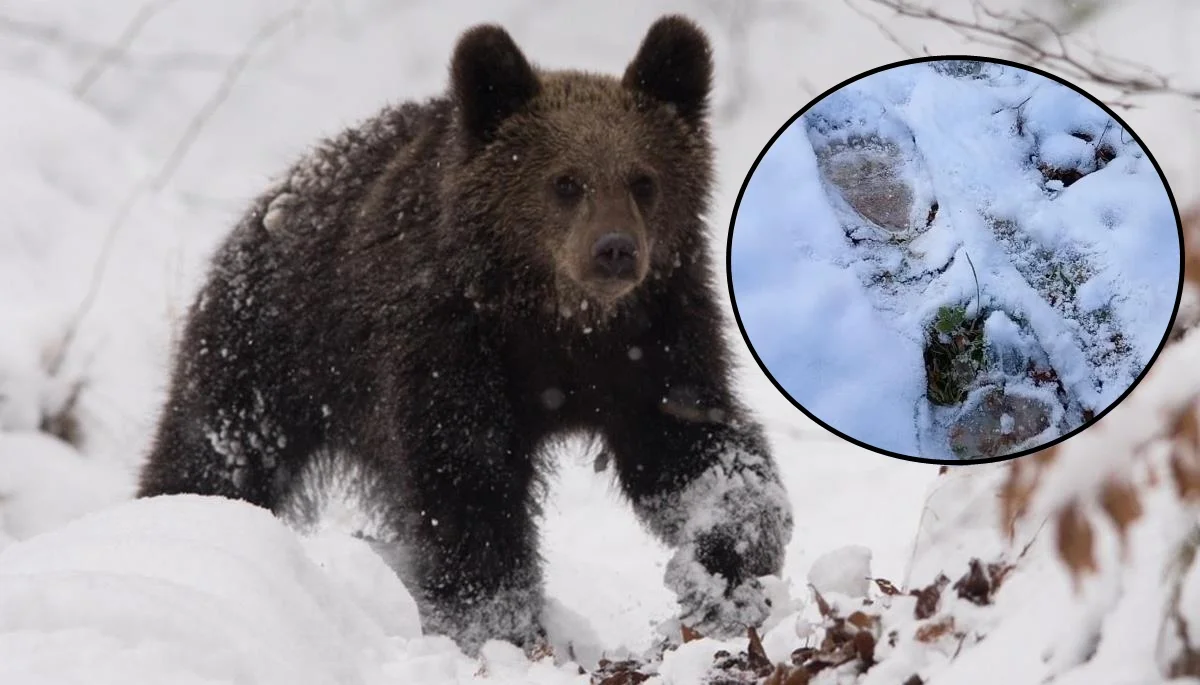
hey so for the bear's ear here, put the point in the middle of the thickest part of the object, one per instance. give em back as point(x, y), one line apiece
point(674, 65)
point(490, 79)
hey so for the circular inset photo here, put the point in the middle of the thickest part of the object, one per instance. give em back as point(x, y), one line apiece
point(955, 258)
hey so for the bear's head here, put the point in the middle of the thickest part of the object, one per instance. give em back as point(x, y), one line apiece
point(586, 185)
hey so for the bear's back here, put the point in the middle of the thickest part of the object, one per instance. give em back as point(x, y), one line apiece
point(364, 177)
point(300, 294)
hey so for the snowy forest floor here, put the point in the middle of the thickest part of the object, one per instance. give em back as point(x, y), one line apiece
point(133, 133)
point(941, 245)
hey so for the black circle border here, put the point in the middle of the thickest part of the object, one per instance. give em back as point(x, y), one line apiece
point(941, 58)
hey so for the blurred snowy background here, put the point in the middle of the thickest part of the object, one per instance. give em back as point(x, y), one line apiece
point(132, 133)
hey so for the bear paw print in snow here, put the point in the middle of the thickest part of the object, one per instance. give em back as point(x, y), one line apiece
point(876, 171)
point(870, 175)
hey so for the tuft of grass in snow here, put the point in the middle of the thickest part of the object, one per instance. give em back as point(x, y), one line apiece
point(955, 355)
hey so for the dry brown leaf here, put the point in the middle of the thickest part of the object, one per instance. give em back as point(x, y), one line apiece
point(1187, 664)
point(862, 621)
point(998, 571)
point(929, 597)
point(817, 665)
point(1191, 245)
point(786, 675)
point(975, 586)
point(802, 654)
point(864, 647)
point(1187, 427)
point(1185, 460)
point(886, 587)
point(1120, 501)
point(834, 638)
point(618, 673)
point(822, 605)
point(756, 656)
point(689, 634)
point(624, 678)
point(930, 632)
point(1075, 542)
point(1186, 474)
point(777, 676)
point(1018, 488)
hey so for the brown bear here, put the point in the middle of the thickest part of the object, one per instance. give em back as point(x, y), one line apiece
point(424, 303)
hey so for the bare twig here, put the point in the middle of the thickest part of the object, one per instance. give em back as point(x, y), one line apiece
point(218, 97)
point(1032, 539)
point(978, 299)
point(883, 28)
point(107, 58)
point(1039, 41)
point(45, 34)
point(740, 18)
point(76, 45)
point(54, 364)
point(156, 182)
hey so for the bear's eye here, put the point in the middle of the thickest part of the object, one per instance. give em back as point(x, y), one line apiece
point(643, 188)
point(567, 188)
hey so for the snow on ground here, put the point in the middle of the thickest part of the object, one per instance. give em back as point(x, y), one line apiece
point(193, 590)
point(1077, 278)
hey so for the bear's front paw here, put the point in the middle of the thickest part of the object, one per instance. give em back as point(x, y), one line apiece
point(711, 604)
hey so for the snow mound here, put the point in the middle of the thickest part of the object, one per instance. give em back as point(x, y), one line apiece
point(845, 571)
point(44, 484)
point(192, 589)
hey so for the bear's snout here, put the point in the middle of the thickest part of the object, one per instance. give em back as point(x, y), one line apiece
point(614, 255)
point(606, 250)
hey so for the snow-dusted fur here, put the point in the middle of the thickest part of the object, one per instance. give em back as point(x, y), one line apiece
point(738, 504)
point(411, 303)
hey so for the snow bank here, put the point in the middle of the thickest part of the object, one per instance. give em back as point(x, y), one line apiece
point(189, 589)
point(72, 269)
point(44, 483)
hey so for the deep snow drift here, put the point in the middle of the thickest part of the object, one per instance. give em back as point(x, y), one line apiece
point(969, 212)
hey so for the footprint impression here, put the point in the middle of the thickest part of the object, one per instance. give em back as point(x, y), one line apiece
point(955, 259)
